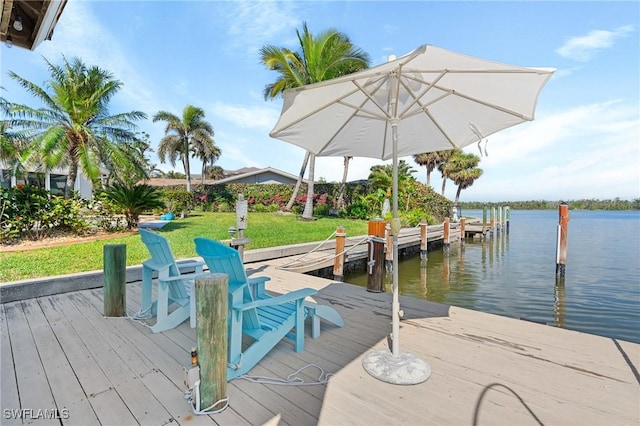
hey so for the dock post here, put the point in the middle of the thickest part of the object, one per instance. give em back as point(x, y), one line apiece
point(338, 261)
point(508, 217)
point(561, 250)
point(376, 255)
point(462, 231)
point(388, 262)
point(445, 236)
point(211, 338)
point(424, 246)
point(499, 227)
point(115, 282)
point(493, 220)
point(484, 221)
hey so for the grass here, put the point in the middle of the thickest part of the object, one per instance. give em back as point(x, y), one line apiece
point(265, 230)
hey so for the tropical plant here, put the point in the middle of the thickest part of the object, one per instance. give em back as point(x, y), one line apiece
point(442, 167)
point(134, 199)
point(183, 135)
point(328, 55)
point(207, 152)
point(463, 171)
point(74, 128)
point(381, 175)
point(430, 160)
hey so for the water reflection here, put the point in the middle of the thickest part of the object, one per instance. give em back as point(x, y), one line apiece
point(513, 273)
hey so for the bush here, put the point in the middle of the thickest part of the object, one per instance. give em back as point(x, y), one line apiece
point(32, 212)
point(178, 200)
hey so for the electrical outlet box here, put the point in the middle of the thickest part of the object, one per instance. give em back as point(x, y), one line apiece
point(191, 375)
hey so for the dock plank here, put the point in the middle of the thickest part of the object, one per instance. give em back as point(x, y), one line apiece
point(69, 395)
point(9, 399)
point(31, 378)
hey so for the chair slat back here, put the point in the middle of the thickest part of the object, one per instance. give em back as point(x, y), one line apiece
point(162, 256)
point(222, 259)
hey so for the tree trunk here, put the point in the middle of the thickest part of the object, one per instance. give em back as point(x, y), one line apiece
point(298, 182)
point(71, 179)
point(308, 207)
point(455, 203)
point(444, 182)
point(204, 168)
point(343, 184)
point(187, 170)
point(428, 177)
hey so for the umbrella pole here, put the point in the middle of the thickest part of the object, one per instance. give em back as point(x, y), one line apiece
point(393, 366)
point(395, 228)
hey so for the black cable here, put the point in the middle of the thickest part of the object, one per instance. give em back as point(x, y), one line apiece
point(476, 411)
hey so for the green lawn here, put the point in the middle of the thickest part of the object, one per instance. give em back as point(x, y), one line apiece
point(265, 230)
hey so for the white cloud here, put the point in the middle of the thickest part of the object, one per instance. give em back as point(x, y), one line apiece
point(583, 48)
point(255, 116)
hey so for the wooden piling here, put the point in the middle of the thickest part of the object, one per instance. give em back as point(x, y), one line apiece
point(115, 282)
point(499, 227)
point(484, 221)
point(492, 220)
point(338, 261)
point(462, 231)
point(211, 337)
point(508, 217)
point(561, 250)
point(445, 237)
point(376, 256)
point(424, 246)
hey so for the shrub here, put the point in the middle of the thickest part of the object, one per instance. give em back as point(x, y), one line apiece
point(133, 200)
point(177, 200)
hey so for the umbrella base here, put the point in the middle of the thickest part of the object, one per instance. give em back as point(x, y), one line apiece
point(404, 369)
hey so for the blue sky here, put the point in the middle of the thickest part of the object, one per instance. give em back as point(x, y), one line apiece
point(584, 143)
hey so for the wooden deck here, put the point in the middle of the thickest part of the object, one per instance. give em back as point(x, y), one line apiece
point(59, 352)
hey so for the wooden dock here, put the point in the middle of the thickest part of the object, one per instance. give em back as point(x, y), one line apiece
point(60, 353)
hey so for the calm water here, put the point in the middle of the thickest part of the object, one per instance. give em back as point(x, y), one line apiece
point(514, 274)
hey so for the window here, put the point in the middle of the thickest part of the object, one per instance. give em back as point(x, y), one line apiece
point(36, 179)
point(58, 184)
point(5, 178)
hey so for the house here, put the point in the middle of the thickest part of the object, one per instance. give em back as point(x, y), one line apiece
point(249, 175)
point(54, 180)
point(28, 23)
point(257, 175)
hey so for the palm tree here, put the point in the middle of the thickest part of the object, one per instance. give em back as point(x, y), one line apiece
point(133, 200)
point(208, 153)
point(182, 136)
point(442, 167)
point(381, 175)
point(74, 128)
point(343, 183)
point(430, 160)
point(463, 171)
point(328, 55)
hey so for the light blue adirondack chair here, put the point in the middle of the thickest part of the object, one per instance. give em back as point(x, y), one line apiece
point(173, 287)
point(253, 312)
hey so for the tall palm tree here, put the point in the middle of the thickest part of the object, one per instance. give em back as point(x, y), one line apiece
point(182, 135)
point(208, 153)
point(430, 160)
point(328, 55)
point(343, 183)
point(74, 128)
point(442, 167)
point(463, 171)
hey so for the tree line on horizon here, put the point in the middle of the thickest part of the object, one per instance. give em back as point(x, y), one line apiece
point(583, 204)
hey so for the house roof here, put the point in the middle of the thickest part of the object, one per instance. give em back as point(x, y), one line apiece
point(252, 171)
point(38, 18)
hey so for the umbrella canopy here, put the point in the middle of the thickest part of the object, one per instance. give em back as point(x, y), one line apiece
point(429, 100)
point(445, 100)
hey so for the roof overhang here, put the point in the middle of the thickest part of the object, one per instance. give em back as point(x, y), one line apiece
point(38, 18)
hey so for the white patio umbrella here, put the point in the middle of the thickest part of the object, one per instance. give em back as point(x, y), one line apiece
point(428, 100)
